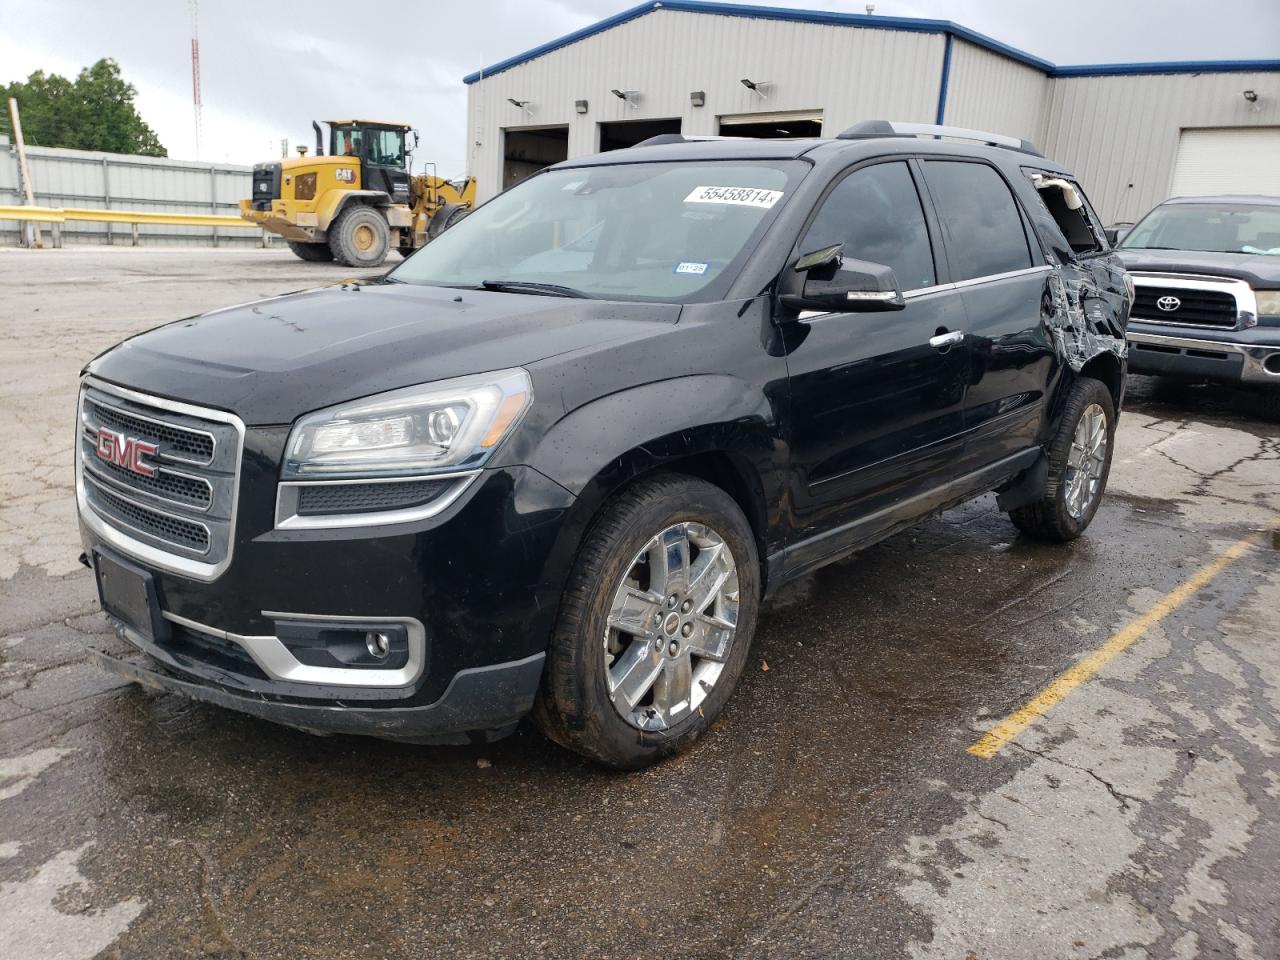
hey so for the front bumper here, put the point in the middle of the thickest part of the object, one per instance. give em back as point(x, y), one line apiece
point(480, 704)
point(475, 587)
point(1238, 356)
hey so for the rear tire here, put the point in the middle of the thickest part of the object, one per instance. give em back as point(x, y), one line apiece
point(1078, 469)
point(313, 252)
point(360, 237)
point(619, 625)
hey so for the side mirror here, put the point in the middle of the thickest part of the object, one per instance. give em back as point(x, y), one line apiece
point(1117, 233)
point(825, 280)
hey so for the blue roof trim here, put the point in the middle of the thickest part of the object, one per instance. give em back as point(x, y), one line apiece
point(907, 24)
point(1175, 66)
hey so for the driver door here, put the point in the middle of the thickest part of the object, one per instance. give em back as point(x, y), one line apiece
point(876, 411)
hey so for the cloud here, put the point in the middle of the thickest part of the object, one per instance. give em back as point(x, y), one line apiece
point(267, 72)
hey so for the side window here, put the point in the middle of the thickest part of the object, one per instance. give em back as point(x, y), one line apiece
point(875, 212)
point(1070, 210)
point(980, 219)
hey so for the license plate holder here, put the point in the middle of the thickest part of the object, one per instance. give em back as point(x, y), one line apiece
point(128, 593)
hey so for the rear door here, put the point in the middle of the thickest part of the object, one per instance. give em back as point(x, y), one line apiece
point(999, 269)
point(876, 410)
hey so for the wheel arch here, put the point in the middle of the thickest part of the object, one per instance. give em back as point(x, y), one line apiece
point(731, 445)
point(1110, 370)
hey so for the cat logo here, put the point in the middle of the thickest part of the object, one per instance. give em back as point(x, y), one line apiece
point(345, 174)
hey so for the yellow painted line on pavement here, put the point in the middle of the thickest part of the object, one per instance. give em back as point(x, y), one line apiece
point(1084, 668)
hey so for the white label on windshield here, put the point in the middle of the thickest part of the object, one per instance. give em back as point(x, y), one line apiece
point(742, 196)
point(692, 266)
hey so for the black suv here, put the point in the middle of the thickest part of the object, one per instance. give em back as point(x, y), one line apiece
point(1207, 271)
point(553, 462)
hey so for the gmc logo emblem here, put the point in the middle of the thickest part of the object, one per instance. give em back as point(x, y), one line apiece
point(125, 451)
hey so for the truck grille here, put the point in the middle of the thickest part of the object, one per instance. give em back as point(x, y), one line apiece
point(174, 507)
point(1196, 308)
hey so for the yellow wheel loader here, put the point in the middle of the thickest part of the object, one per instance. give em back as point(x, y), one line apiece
point(358, 202)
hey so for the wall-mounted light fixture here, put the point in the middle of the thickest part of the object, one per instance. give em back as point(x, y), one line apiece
point(630, 97)
point(580, 106)
point(521, 105)
point(698, 98)
point(1250, 95)
point(758, 87)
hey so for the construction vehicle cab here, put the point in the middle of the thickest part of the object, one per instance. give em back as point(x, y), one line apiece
point(358, 201)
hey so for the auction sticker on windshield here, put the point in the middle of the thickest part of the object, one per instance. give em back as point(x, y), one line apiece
point(742, 196)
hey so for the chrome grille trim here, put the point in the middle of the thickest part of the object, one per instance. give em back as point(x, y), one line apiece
point(124, 415)
point(1246, 301)
point(221, 473)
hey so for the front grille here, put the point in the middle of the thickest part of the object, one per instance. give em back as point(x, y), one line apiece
point(183, 443)
point(341, 498)
point(162, 526)
point(184, 509)
point(1198, 308)
point(167, 485)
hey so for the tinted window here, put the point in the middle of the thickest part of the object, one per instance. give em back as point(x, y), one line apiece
point(980, 219)
point(875, 212)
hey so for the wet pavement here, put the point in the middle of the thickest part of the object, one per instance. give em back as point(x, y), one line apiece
point(834, 811)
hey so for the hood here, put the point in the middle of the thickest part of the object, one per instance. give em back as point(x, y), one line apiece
point(1256, 269)
point(272, 360)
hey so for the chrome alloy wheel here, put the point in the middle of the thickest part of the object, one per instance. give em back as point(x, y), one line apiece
point(1086, 461)
point(671, 626)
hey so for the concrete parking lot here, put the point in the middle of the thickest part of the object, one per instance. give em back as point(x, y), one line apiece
point(837, 809)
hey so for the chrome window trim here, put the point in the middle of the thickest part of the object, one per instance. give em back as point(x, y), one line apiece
point(137, 549)
point(808, 316)
point(120, 391)
point(1246, 300)
point(287, 517)
point(275, 660)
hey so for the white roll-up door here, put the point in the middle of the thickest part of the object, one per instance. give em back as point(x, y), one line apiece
point(1227, 160)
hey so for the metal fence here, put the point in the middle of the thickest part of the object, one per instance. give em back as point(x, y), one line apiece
point(113, 181)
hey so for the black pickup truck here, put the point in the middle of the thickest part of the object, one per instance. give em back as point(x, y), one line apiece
point(1207, 304)
point(554, 461)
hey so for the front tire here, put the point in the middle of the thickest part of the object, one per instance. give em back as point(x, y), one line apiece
point(311, 252)
point(655, 625)
point(360, 237)
point(1079, 464)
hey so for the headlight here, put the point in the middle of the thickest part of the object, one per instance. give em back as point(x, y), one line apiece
point(1268, 302)
point(443, 426)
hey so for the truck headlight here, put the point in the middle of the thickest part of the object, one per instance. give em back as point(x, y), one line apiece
point(1268, 303)
point(448, 425)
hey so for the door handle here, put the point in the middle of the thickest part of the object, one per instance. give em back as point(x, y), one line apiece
point(945, 341)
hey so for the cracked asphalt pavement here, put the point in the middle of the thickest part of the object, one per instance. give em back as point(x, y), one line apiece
point(834, 811)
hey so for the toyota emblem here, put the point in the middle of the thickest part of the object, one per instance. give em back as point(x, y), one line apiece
point(1168, 304)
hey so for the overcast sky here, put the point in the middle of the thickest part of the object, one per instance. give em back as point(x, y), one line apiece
point(268, 68)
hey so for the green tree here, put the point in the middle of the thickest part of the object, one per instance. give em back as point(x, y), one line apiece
point(94, 112)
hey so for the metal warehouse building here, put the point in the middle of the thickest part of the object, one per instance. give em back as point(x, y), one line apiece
point(1134, 133)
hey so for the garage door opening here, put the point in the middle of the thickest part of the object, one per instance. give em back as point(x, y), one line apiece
point(525, 152)
point(1227, 160)
point(772, 126)
point(627, 133)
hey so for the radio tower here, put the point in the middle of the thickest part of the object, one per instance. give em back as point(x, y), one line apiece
point(195, 66)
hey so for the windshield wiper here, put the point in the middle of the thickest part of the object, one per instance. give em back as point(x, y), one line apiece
point(531, 286)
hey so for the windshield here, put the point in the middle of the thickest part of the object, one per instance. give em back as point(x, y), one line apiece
point(674, 232)
point(1216, 228)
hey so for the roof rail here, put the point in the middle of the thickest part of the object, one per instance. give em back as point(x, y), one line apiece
point(868, 129)
point(661, 138)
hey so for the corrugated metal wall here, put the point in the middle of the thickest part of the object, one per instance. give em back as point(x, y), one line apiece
point(1120, 134)
point(990, 92)
point(849, 74)
point(80, 178)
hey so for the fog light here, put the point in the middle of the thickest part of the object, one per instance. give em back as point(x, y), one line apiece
point(378, 644)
